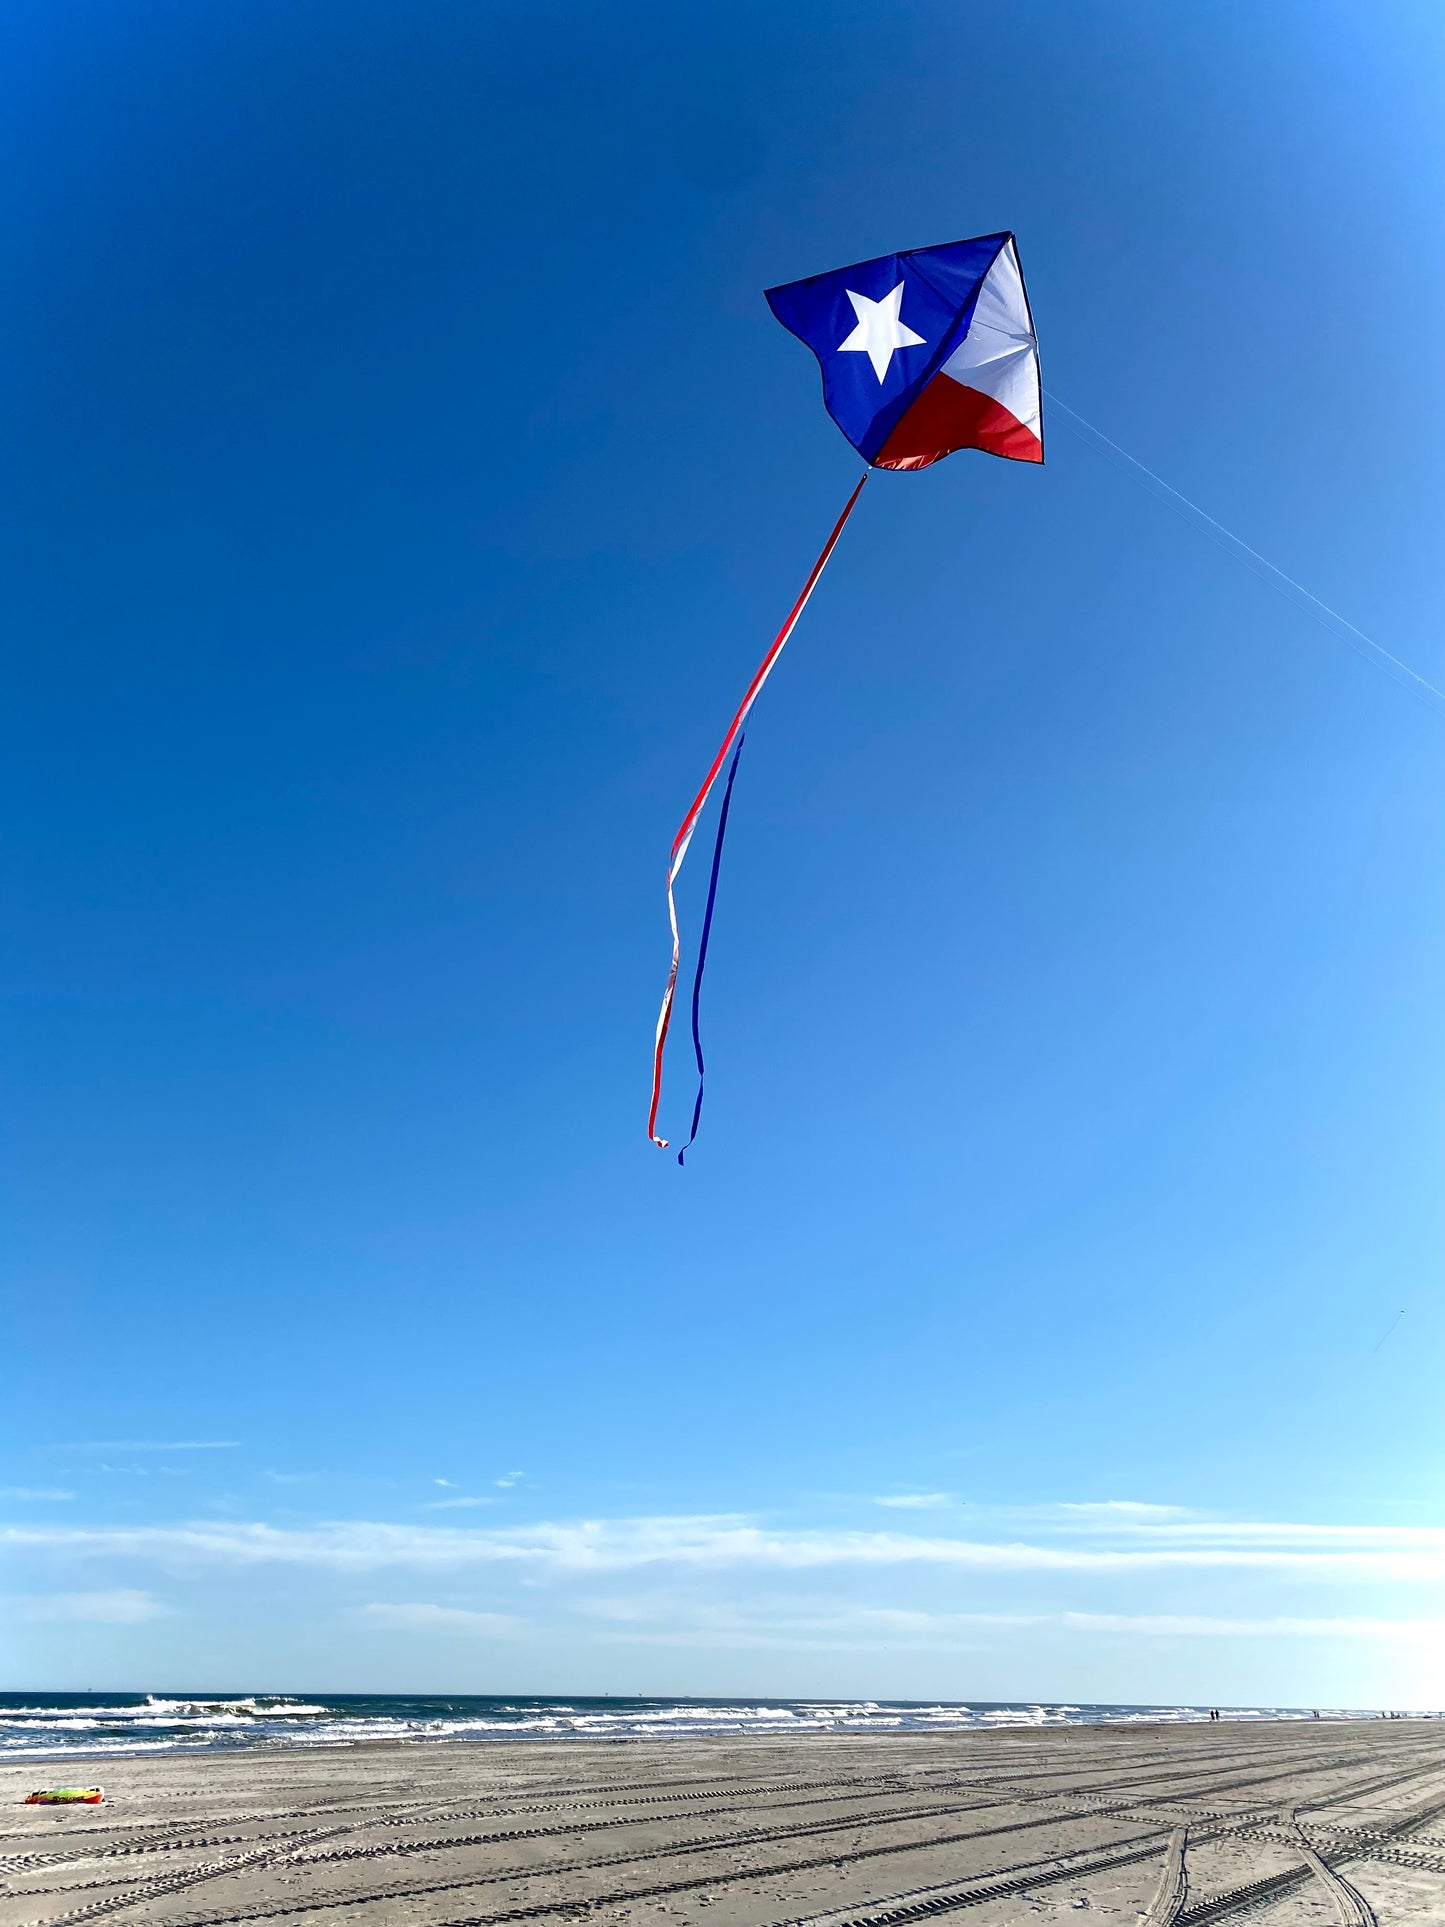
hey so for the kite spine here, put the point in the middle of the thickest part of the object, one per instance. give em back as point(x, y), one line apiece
point(689, 822)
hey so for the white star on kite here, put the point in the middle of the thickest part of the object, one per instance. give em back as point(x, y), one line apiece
point(880, 330)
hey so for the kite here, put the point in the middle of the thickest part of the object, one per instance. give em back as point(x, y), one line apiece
point(922, 354)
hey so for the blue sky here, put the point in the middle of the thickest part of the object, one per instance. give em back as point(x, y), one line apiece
point(407, 476)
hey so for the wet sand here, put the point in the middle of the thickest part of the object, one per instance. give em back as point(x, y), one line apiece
point(1326, 1823)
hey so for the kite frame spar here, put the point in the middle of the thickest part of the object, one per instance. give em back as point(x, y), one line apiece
point(689, 823)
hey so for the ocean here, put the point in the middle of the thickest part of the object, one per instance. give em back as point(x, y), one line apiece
point(37, 1726)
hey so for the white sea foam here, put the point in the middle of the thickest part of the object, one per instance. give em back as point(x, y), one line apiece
point(75, 1726)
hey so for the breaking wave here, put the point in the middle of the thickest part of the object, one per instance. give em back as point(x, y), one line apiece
point(92, 1725)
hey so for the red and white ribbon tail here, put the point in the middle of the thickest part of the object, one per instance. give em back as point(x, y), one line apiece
point(689, 822)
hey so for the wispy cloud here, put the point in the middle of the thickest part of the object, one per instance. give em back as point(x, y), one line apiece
point(1196, 1626)
point(452, 1505)
point(34, 1494)
point(509, 1478)
point(418, 1617)
point(866, 1631)
point(1118, 1512)
point(1148, 1625)
point(718, 1542)
point(1277, 1532)
point(916, 1501)
point(123, 1607)
point(151, 1445)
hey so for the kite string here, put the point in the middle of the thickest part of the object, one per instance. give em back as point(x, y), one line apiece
point(1276, 575)
point(689, 822)
point(717, 850)
point(1393, 1322)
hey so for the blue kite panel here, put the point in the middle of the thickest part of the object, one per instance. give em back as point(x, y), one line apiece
point(878, 347)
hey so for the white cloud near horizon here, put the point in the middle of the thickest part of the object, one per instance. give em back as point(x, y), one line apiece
point(1160, 1625)
point(123, 1606)
point(1069, 1606)
point(718, 1542)
point(421, 1617)
point(1194, 1625)
point(869, 1630)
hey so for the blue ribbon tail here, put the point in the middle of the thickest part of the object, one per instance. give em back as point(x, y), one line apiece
point(717, 850)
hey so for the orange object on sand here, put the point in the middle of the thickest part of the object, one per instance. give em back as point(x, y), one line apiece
point(65, 1796)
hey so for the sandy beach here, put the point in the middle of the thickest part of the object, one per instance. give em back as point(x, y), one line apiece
point(1278, 1822)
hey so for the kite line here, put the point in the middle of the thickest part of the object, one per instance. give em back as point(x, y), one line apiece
point(1275, 577)
point(689, 824)
point(1393, 1322)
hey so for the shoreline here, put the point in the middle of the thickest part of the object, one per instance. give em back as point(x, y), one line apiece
point(39, 1729)
point(276, 1747)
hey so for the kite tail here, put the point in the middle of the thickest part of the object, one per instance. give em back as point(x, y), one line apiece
point(689, 822)
point(717, 850)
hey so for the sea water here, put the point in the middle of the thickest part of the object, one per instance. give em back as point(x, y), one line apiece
point(55, 1725)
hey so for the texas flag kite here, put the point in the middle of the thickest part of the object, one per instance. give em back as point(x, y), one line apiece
point(925, 352)
point(922, 353)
